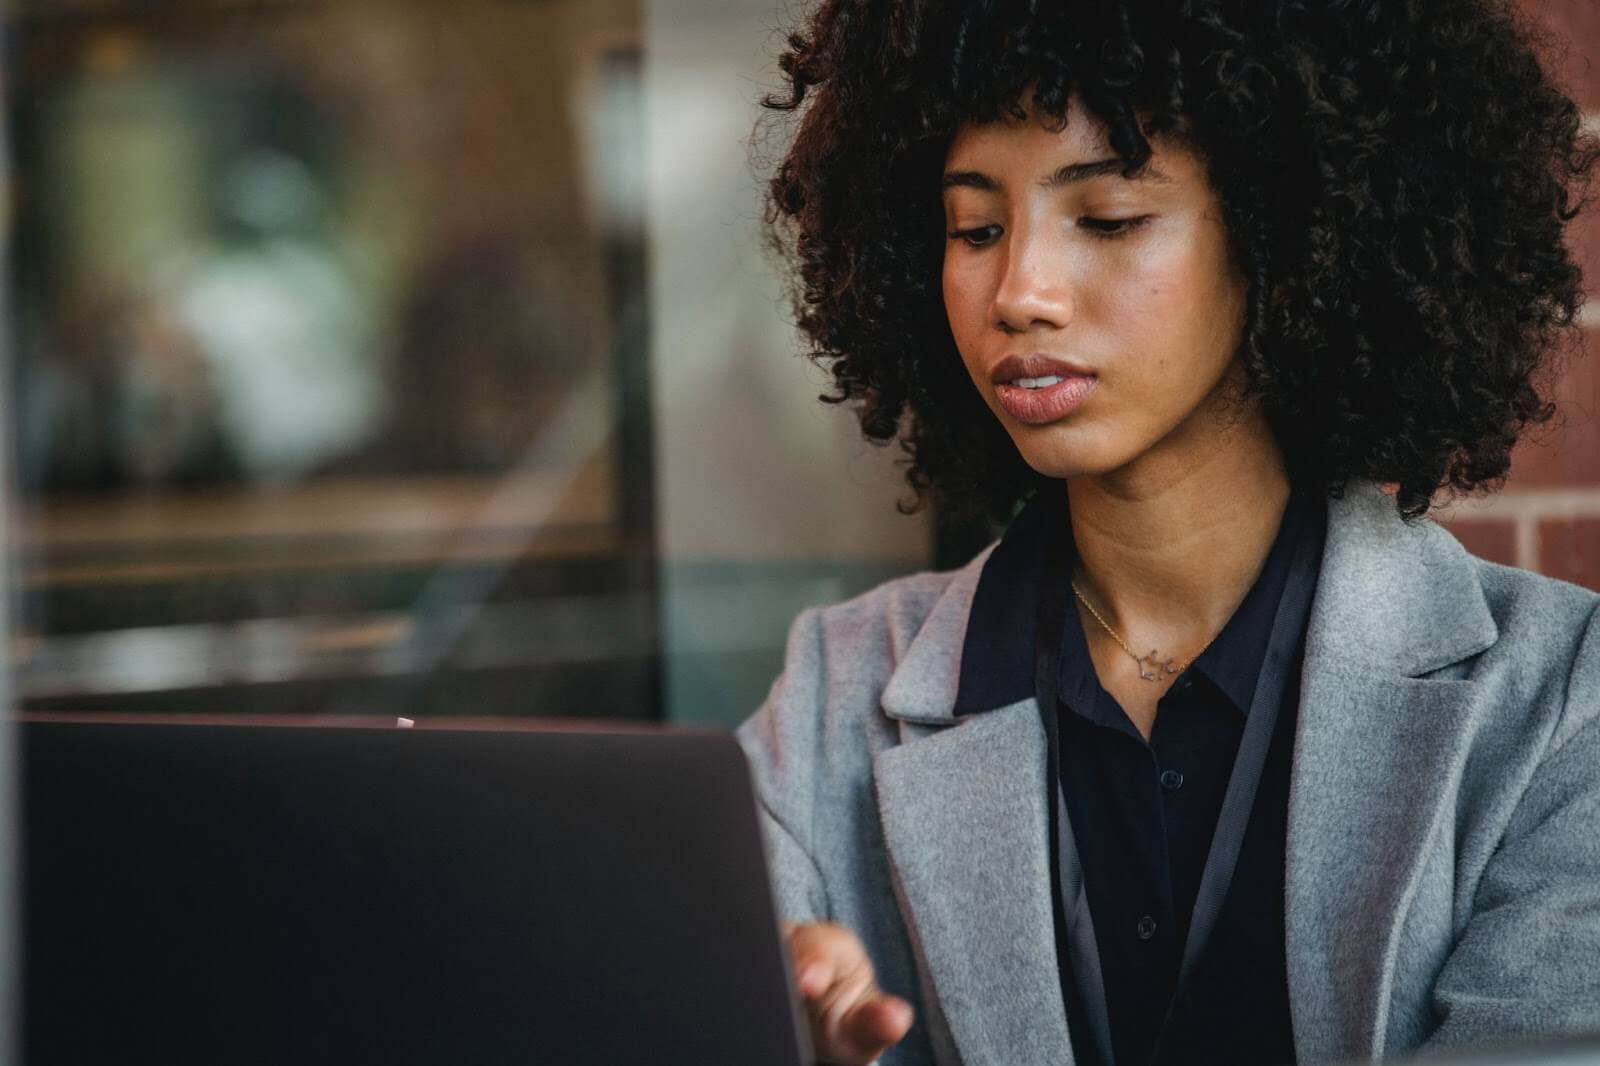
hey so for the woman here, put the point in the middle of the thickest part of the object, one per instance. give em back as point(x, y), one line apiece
point(1224, 752)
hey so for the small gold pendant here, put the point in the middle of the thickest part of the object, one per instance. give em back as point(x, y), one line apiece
point(1152, 669)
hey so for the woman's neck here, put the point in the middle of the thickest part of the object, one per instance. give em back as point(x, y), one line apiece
point(1168, 547)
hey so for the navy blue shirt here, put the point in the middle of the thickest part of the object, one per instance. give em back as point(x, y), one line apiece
point(1144, 815)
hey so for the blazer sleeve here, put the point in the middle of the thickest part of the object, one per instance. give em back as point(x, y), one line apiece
point(781, 742)
point(1528, 962)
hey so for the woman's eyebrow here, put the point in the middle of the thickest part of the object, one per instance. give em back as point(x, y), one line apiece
point(1067, 175)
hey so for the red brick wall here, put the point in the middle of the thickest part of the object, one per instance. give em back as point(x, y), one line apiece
point(1547, 518)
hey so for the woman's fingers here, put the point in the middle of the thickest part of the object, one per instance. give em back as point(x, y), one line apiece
point(852, 1021)
point(875, 1025)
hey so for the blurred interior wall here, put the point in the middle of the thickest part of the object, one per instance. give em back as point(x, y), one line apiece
point(10, 775)
point(768, 501)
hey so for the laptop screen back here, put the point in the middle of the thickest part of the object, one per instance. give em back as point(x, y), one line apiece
point(287, 894)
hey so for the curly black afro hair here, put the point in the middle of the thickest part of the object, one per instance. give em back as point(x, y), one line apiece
point(1396, 176)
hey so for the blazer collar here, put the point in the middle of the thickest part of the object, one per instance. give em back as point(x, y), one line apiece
point(1411, 592)
point(922, 686)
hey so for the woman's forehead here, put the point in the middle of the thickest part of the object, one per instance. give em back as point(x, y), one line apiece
point(1083, 133)
point(1039, 148)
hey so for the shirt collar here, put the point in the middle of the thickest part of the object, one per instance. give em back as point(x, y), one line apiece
point(997, 654)
point(997, 659)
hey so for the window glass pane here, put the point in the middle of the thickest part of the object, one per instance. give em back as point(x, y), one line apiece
point(416, 358)
point(329, 359)
point(769, 501)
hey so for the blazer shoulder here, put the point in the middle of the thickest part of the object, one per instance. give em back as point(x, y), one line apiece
point(839, 658)
point(851, 648)
point(1549, 629)
point(1533, 609)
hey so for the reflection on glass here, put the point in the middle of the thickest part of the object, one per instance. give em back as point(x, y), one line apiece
point(330, 350)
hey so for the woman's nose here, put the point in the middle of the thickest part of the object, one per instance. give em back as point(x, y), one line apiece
point(1035, 287)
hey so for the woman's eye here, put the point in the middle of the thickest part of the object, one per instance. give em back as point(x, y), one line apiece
point(1112, 227)
point(972, 236)
point(1101, 228)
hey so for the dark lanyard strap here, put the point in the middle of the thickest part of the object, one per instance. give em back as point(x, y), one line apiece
point(1069, 897)
point(1087, 1016)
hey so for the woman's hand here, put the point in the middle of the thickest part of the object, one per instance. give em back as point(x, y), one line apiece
point(852, 1021)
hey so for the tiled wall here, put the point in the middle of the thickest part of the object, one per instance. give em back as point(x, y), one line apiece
point(1547, 518)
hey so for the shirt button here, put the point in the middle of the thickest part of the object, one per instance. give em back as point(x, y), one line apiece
point(1171, 780)
point(1147, 927)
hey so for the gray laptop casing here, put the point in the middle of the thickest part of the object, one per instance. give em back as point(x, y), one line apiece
point(307, 894)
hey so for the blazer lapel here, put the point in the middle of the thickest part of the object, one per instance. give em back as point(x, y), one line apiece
point(966, 827)
point(967, 832)
point(1377, 752)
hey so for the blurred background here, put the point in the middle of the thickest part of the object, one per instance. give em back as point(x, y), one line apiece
point(412, 358)
point(422, 358)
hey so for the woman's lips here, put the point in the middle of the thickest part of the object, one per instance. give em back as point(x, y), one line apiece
point(1048, 404)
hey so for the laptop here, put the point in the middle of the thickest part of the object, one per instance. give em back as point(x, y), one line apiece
point(229, 891)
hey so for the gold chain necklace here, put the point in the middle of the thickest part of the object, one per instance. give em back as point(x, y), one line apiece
point(1151, 668)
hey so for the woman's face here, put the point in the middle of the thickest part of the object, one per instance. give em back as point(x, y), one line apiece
point(1098, 316)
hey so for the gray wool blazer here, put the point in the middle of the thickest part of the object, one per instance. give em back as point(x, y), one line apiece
point(1443, 882)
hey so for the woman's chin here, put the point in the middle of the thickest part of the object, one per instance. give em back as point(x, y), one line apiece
point(1065, 460)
